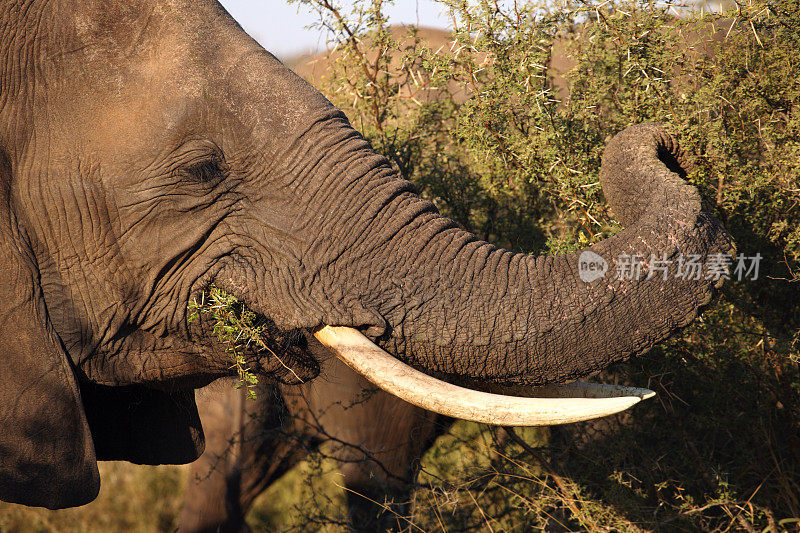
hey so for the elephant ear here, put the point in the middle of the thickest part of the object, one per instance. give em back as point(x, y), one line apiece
point(47, 457)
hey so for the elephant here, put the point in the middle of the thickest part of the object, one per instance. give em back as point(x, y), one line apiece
point(376, 439)
point(150, 149)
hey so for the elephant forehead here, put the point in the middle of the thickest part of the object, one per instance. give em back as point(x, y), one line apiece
point(124, 29)
point(124, 88)
point(123, 112)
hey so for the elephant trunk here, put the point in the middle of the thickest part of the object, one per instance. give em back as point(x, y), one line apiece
point(451, 304)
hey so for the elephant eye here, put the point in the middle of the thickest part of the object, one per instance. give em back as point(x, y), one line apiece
point(208, 171)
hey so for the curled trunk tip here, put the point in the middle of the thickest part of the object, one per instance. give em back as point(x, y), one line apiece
point(643, 172)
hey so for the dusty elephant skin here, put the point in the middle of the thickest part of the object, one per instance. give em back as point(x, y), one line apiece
point(151, 148)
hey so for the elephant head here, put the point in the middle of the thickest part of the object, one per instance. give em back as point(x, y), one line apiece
point(150, 148)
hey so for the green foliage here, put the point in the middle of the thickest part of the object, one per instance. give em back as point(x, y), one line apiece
point(235, 326)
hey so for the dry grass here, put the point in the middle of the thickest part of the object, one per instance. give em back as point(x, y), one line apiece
point(136, 499)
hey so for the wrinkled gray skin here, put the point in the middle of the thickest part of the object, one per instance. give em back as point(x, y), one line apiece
point(148, 148)
point(375, 438)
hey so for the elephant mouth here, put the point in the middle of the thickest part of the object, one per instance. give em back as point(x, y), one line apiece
point(225, 323)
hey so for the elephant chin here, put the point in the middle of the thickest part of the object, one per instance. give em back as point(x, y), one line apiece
point(532, 406)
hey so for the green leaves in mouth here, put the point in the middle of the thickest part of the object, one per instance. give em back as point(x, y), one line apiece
point(236, 327)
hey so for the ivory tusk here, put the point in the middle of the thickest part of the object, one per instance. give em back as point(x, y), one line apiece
point(573, 402)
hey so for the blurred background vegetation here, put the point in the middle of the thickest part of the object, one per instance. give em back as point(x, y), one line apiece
point(502, 125)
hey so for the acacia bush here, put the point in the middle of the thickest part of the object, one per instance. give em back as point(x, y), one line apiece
point(503, 127)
